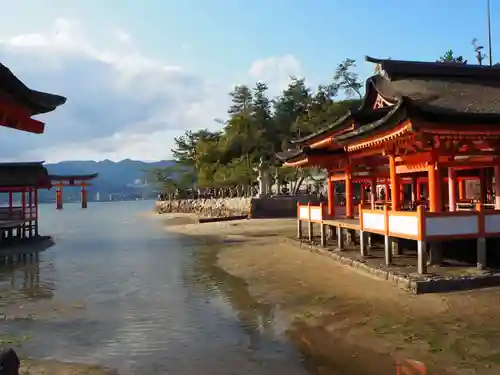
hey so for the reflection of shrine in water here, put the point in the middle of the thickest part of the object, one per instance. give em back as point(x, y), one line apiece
point(207, 277)
point(23, 276)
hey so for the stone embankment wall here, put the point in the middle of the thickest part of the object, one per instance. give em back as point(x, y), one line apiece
point(224, 207)
point(216, 207)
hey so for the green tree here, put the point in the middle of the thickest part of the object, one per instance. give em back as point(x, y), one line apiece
point(450, 58)
point(170, 180)
point(184, 150)
point(288, 108)
point(263, 123)
point(347, 80)
point(258, 127)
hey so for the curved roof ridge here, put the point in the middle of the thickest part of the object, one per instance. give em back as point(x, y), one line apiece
point(402, 68)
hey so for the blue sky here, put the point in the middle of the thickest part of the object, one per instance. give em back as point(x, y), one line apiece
point(211, 45)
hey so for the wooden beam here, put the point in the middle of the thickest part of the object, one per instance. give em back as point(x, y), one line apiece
point(24, 124)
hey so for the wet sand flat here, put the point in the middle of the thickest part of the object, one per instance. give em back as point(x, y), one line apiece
point(348, 321)
point(59, 368)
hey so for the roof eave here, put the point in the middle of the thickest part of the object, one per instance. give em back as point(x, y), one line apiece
point(396, 113)
point(38, 102)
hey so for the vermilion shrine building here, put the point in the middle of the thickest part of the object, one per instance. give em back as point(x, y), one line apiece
point(20, 182)
point(422, 130)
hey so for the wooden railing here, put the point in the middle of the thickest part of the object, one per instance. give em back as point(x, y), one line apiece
point(432, 226)
point(315, 214)
point(419, 225)
point(18, 213)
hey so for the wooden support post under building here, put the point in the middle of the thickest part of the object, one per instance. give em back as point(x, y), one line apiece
point(421, 244)
point(30, 214)
point(481, 241)
point(362, 234)
point(299, 222)
point(23, 213)
point(309, 223)
point(387, 239)
point(36, 213)
point(481, 253)
point(340, 238)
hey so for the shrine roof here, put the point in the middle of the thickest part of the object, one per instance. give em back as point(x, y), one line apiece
point(437, 93)
point(337, 125)
point(31, 174)
point(36, 101)
point(400, 69)
point(293, 155)
point(391, 119)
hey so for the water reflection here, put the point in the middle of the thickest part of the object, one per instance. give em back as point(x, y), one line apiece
point(257, 319)
point(21, 279)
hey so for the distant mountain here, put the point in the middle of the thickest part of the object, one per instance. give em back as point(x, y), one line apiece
point(125, 179)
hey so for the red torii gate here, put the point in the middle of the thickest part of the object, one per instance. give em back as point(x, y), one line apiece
point(59, 181)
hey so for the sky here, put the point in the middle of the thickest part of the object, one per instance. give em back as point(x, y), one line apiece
point(139, 73)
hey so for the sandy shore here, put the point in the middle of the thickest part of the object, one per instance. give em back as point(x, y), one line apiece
point(347, 321)
point(59, 368)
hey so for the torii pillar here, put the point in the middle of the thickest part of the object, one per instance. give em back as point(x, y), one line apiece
point(59, 197)
point(84, 196)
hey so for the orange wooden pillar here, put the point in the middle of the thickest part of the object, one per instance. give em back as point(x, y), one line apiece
point(349, 209)
point(497, 186)
point(331, 196)
point(84, 196)
point(482, 186)
point(30, 213)
point(373, 192)
point(414, 190)
point(452, 189)
point(35, 202)
point(59, 197)
point(395, 196)
point(461, 190)
point(435, 193)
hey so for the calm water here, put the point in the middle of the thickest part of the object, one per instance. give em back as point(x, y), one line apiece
point(118, 290)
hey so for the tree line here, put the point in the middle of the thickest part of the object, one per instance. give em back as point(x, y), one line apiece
point(258, 126)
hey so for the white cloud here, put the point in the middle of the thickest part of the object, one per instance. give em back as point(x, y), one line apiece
point(121, 103)
point(276, 71)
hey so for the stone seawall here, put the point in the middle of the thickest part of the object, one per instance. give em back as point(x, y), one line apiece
point(224, 207)
point(216, 207)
